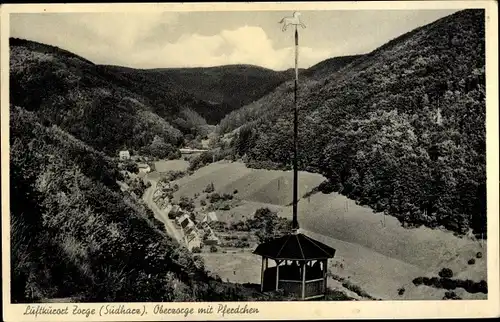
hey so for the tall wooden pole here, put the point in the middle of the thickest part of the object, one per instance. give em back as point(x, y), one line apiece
point(295, 224)
point(262, 272)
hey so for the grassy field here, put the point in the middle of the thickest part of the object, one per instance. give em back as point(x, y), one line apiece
point(171, 165)
point(263, 186)
point(377, 253)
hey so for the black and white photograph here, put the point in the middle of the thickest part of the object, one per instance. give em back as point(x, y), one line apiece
point(244, 154)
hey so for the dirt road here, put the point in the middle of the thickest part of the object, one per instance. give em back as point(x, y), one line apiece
point(162, 215)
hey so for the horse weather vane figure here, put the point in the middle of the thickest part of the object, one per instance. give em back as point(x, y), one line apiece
point(295, 21)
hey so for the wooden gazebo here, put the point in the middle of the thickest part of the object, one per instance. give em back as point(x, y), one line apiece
point(300, 266)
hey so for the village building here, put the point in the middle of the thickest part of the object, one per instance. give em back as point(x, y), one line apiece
point(193, 241)
point(124, 155)
point(124, 187)
point(211, 240)
point(144, 168)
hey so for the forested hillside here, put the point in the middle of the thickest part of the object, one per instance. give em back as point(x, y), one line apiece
point(75, 234)
point(95, 106)
point(212, 92)
point(401, 129)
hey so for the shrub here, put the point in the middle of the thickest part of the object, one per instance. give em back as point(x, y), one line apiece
point(356, 289)
point(436, 282)
point(481, 287)
point(186, 203)
point(203, 202)
point(447, 283)
point(471, 261)
point(451, 296)
point(418, 281)
point(451, 284)
point(213, 249)
point(241, 244)
point(235, 191)
point(131, 167)
point(227, 196)
point(479, 255)
point(446, 273)
point(401, 291)
point(336, 295)
point(209, 188)
point(196, 250)
point(214, 197)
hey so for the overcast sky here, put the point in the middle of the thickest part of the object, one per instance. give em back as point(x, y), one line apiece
point(190, 39)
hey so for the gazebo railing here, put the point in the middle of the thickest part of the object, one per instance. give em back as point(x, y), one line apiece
point(313, 288)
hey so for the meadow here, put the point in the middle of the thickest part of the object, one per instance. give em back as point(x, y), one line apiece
point(378, 254)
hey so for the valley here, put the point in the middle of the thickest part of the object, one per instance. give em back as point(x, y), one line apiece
point(376, 253)
point(169, 178)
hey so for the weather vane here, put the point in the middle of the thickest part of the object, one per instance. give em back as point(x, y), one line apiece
point(295, 21)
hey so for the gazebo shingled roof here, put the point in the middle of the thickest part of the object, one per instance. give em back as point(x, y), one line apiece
point(295, 247)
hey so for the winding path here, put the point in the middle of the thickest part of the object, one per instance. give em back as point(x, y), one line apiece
point(162, 215)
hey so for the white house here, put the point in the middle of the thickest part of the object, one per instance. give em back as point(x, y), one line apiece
point(124, 155)
point(211, 216)
point(144, 168)
point(193, 240)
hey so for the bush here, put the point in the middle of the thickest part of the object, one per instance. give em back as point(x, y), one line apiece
point(241, 244)
point(451, 296)
point(235, 191)
point(186, 203)
point(214, 197)
point(446, 273)
point(451, 284)
point(436, 282)
point(209, 188)
point(203, 202)
point(418, 281)
point(213, 249)
point(471, 261)
point(479, 255)
point(481, 287)
point(356, 289)
point(447, 283)
point(227, 196)
point(401, 291)
point(196, 250)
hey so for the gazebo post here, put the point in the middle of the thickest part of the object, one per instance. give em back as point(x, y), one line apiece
point(325, 268)
point(262, 275)
point(304, 279)
point(277, 273)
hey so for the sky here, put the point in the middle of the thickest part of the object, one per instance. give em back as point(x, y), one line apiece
point(202, 39)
